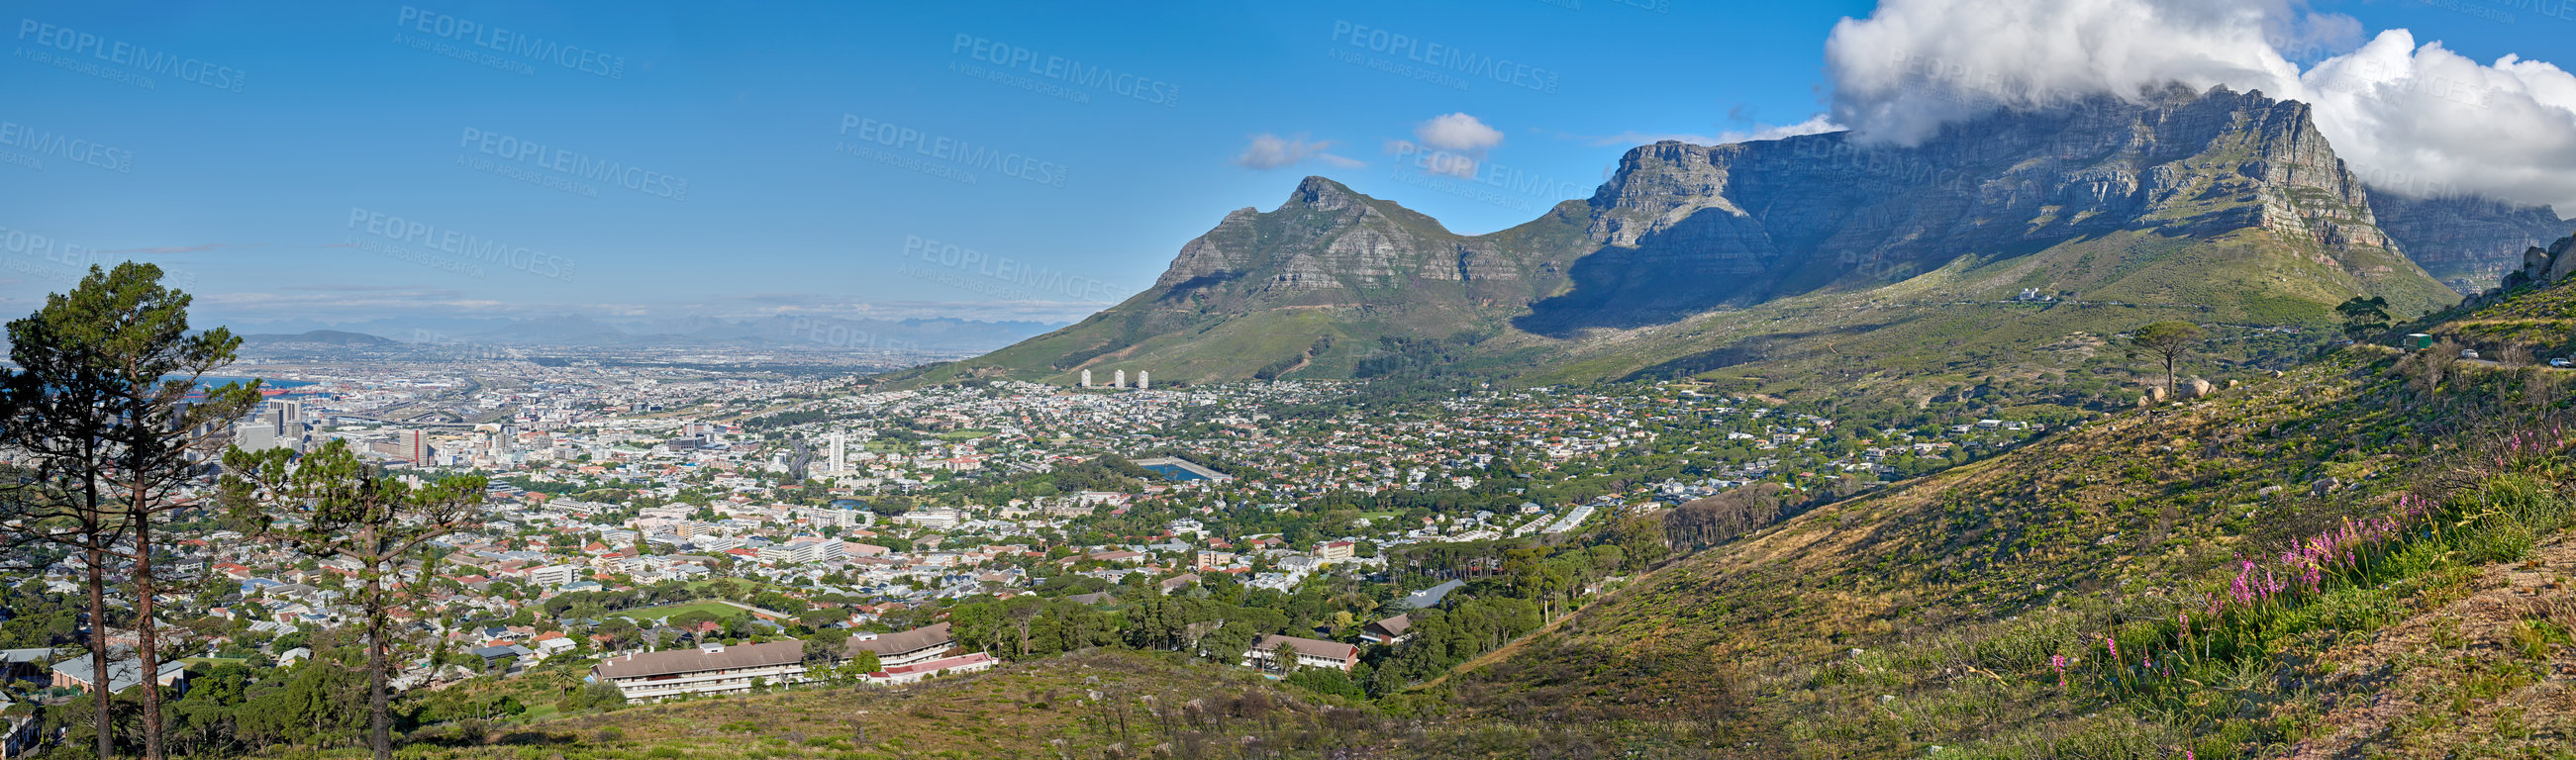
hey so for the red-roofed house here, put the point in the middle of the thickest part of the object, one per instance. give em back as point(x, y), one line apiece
point(903, 674)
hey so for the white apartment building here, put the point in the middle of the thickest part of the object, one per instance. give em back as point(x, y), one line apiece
point(554, 575)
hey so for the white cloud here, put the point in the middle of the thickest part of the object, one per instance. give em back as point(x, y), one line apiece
point(1269, 151)
point(2427, 121)
point(2411, 119)
point(1451, 144)
point(1814, 125)
point(1458, 132)
point(1817, 124)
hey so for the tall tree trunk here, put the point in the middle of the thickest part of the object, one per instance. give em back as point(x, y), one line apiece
point(99, 678)
point(147, 649)
point(379, 698)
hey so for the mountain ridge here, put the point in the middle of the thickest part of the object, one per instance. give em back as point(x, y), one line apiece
point(2212, 205)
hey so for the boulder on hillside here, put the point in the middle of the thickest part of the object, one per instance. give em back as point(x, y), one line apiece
point(2560, 263)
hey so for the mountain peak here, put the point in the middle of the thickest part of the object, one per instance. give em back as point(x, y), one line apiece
point(1322, 194)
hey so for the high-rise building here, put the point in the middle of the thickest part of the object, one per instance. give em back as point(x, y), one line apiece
point(1118, 379)
point(1086, 378)
point(840, 452)
point(256, 434)
point(1144, 380)
point(277, 424)
point(414, 444)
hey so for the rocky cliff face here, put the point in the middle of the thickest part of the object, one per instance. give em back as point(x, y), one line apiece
point(2468, 242)
point(1754, 221)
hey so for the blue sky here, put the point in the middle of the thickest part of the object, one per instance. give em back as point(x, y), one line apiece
point(346, 161)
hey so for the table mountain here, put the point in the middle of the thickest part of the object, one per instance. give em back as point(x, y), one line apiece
point(2213, 206)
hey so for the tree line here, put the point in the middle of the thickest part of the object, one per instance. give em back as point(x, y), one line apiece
point(117, 436)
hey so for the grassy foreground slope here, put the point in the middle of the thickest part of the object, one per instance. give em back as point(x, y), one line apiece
point(1936, 614)
point(1091, 705)
point(1083, 705)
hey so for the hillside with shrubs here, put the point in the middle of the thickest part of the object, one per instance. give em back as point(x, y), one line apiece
point(2369, 551)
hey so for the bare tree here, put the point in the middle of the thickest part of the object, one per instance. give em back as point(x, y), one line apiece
point(330, 504)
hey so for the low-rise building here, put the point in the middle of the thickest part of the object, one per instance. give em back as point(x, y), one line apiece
point(81, 673)
point(1335, 550)
point(903, 647)
point(720, 669)
point(903, 674)
point(708, 669)
point(1311, 653)
point(1388, 631)
point(554, 575)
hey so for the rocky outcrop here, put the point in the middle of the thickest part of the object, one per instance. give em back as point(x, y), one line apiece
point(2561, 263)
point(2468, 242)
point(1228, 248)
point(1327, 242)
point(2545, 266)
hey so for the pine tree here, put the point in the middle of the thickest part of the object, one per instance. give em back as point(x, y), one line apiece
point(330, 504)
point(100, 405)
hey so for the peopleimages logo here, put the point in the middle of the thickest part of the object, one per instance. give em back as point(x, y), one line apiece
point(127, 55)
point(1066, 70)
point(23, 243)
point(500, 40)
point(1445, 57)
point(43, 143)
point(573, 164)
point(459, 244)
point(1487, 173)
point(27, 249)
point(999, 269)
point(838, 335)
point(953, 151)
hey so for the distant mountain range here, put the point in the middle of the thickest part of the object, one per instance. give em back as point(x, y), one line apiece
point(1809, 254)
point(816, 334)
point(318, 338)
point(2468, 242)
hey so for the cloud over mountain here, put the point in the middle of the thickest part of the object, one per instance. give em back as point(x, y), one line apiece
point(2413, 119)
point(1451, 144)
point(1269, 151)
